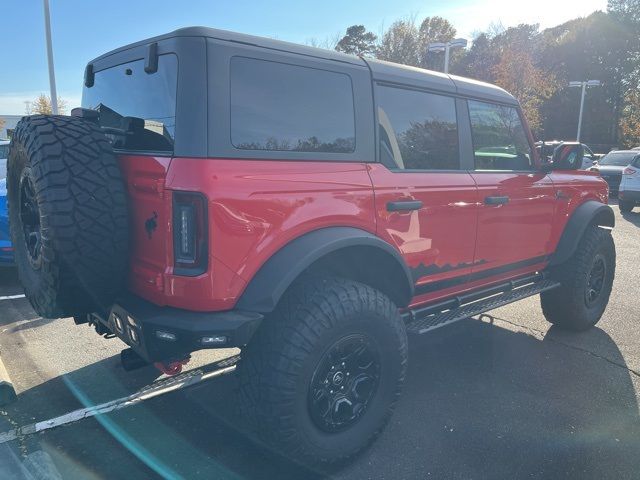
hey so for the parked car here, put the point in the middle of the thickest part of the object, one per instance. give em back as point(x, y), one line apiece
point(629, 193)
point(6, 249)
point(545, 150)
point(611, 166)
point(4, 153)
point(307, 206)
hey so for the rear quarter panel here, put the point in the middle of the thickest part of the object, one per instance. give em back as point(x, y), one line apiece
point(255, 207)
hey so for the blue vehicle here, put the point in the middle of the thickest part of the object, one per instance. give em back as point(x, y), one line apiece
point(6, 249)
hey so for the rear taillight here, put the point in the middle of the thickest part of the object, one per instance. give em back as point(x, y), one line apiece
point(629, 171)
point(189, 233)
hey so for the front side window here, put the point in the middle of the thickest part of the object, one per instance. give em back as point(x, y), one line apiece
point(499, 138)
point(277, 106)
point(138, 108)
point(417, 130)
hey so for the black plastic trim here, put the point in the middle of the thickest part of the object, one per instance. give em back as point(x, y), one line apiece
point(274, 277)
point(589, 213)
point(403, 206)
point(472, 277)
point(188, 326)
point(151, 59)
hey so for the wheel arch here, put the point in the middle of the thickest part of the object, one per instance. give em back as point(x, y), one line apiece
point(343, 251)
point(589, 213)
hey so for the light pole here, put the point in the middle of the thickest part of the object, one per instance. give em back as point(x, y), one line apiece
point(52, 75)
point(445, 47)
point(583, 85)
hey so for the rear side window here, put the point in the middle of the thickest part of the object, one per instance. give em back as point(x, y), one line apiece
point(417, 130)
point(277, 106)
point(139, 108)
point(499, 138)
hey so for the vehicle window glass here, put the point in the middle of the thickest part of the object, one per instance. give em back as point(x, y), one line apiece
point(276, 106)
point(617, 159)
point(4, 151)
point(587, 151)
point(417, 130)
point(499, 138)
point(139, 108)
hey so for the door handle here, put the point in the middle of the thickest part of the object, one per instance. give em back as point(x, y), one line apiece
point(496, 200)
point(403, 206)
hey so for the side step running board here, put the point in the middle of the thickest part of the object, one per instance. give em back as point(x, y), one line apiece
point(425, 320)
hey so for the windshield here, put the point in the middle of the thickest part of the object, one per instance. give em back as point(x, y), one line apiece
point(618, 159)
point(142, 105)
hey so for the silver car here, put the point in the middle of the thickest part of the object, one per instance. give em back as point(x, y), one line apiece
point(4, 153)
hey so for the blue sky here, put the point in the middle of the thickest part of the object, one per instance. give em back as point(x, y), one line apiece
point(83, 29)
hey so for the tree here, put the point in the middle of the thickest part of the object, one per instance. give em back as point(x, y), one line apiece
point(401, 43)
point(517, 73)
point(432, 30)
point(630, 122)
point(599, 47)
point(625, 10)
point(357, 41)
point(42, 105)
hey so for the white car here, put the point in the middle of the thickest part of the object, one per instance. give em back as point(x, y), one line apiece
point(4, 153)
point(629, 192)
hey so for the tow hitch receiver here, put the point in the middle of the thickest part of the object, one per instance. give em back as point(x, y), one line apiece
point(172, 368)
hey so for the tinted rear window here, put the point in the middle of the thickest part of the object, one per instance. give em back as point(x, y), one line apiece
point(276, 106)
point(143, 104)
point(418, 130)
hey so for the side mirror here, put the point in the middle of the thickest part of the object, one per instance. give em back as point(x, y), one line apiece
point(567, 156)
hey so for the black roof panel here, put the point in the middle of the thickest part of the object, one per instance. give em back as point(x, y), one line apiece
point(381, 70)
point(245, 39)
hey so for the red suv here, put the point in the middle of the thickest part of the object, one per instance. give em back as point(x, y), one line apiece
point(312, 208)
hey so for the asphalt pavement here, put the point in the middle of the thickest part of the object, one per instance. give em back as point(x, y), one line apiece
point(512, 398)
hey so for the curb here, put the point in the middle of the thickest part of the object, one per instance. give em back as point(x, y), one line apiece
point(7, 392)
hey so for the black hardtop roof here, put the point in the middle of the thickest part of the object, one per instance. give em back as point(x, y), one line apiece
point(380, 70)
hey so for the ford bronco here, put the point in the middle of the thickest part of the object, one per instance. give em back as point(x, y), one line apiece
point(312, 208)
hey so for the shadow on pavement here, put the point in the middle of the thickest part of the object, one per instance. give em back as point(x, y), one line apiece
point(481, 401)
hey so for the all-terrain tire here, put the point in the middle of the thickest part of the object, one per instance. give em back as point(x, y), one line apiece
point(281, 364)
point(67, 214)
point(573, 306)
point(625, 207)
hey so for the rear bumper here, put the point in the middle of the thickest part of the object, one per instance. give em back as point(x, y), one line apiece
point(629, 196)
point(166, 333)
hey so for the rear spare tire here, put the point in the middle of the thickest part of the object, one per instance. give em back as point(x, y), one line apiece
point(67, 215)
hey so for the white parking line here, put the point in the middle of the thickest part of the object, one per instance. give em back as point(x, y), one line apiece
point(155, 389)
point(11, 297)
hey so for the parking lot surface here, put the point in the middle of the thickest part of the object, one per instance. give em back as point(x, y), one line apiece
point(512, 398)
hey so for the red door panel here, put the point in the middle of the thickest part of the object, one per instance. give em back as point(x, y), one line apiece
point(520, 230)
point(437, 241)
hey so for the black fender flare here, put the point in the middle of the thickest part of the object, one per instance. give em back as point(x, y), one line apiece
point(590, 212)
point(276, 275)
